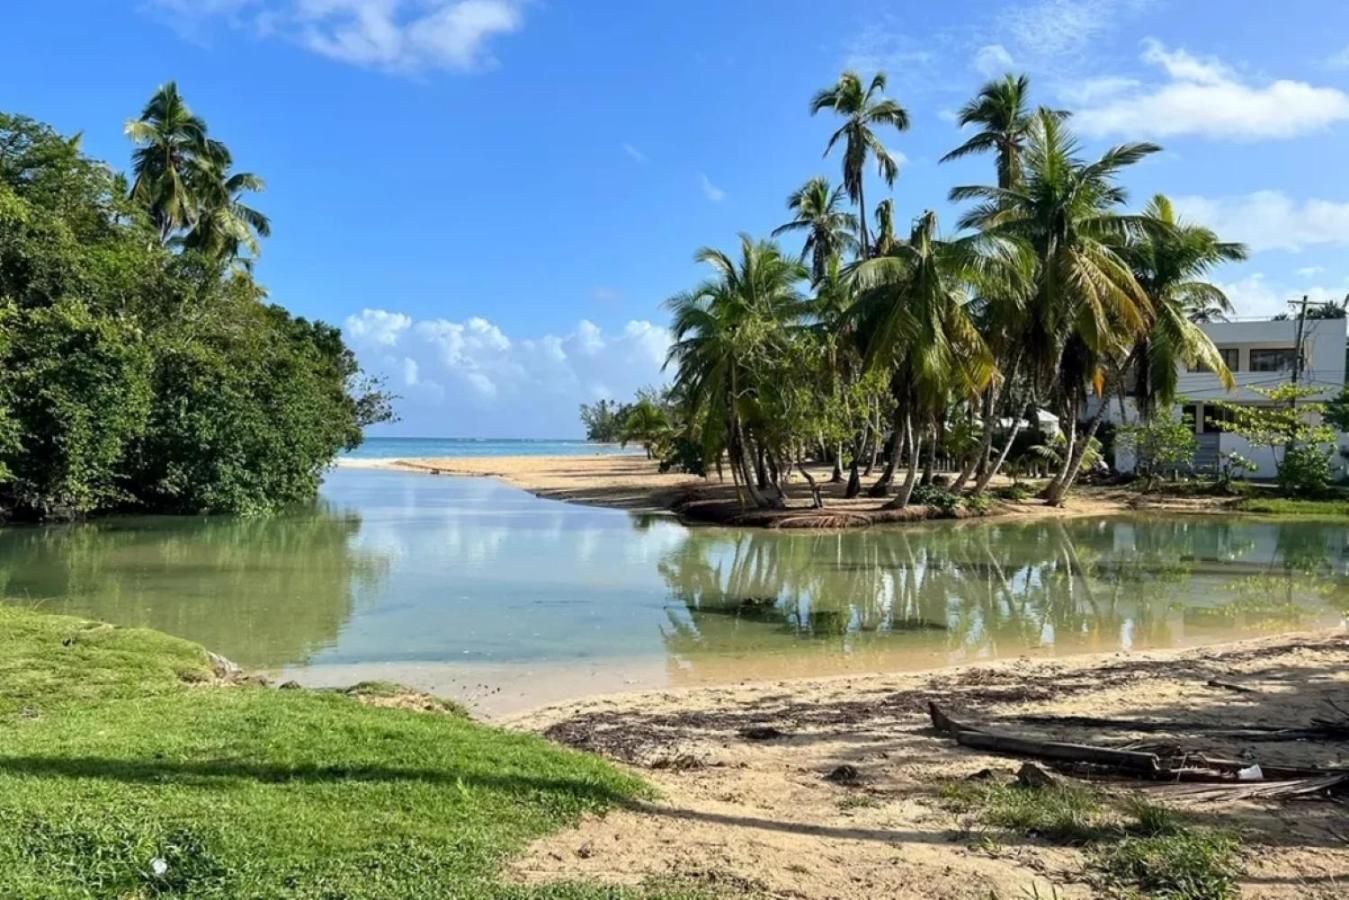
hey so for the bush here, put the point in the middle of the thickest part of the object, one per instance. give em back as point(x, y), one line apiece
point(1013, 492)
point(977, 503)
point(1304, 471)
point(935, 497)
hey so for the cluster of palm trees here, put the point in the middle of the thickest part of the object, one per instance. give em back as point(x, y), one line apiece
point(926, 349)
point(185, 182)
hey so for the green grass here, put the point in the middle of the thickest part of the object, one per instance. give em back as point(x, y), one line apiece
point(1333, 508)
point(1131, 844)
point(124, 773)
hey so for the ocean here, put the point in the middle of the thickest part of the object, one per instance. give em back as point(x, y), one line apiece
point(403, 447)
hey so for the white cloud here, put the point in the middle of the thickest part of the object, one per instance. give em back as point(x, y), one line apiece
point(471, 377)
point(377, 326)
point(392, 35)
point(710, 190)
point(1203, 96)
point(1055, 28)
point(635, 155)
point(1270, 220)
point(1255, 295)
point(993, 60)
point(1310, 271)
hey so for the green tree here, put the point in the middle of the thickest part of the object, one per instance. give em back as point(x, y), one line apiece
point(829, 230)
point(1160, 443)
point(1086, 309)
point(863, 109)
point(1295, 430)
point(183, 180)
point(913, 315)
point(1170, 259)
point(133, 377)
point(727, 332)
point(1002, 110)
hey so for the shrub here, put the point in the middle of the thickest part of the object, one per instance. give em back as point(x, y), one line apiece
point(938, 498)
point(978, 503)
point(1013, 492)
point(1304, 471)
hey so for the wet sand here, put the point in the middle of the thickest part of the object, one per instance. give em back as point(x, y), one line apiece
point(635, 483)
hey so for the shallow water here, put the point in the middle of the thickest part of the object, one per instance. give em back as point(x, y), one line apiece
point(486, 593)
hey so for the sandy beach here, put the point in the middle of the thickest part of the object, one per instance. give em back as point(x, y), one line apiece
point(750, 801)
point(636, 483)
point(740, 811)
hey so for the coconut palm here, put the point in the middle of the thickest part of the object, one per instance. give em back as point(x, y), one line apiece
point(829, 229)
point(885, 227)
point(226, 227)
point(863, 109)
point(914, 316)
point(1086, 310)
point(173, 150)
point(184, 183)
point(1170, 260)
point(721, 329)
point(1001, 109)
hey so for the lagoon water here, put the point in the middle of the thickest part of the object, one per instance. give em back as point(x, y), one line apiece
point(485, 593)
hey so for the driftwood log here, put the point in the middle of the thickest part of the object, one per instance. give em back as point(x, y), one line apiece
point(1191, 775)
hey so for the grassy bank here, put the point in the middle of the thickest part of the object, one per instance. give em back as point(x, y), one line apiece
point(125, 771)
point(1331, 508)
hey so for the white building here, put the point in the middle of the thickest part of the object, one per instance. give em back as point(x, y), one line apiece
point(1259, 354)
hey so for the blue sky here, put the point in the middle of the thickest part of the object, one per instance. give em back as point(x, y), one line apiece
point(494, 196)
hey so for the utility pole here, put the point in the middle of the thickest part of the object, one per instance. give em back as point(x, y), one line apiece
point(1297, 342)
point(1298, 356)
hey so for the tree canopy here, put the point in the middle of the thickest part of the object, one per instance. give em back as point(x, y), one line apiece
point(140, 368)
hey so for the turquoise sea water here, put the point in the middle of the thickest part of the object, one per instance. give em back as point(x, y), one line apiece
point(404, 447)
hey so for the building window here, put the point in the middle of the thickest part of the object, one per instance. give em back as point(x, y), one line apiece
point(1273, 360)
point(1231, 358)
point(1216, 419)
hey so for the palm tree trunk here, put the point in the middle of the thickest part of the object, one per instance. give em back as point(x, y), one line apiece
point(982, 484)
point(864, 252)
point(1057, 489)
point(915, 446)
point(896, 446)
point(981, 453)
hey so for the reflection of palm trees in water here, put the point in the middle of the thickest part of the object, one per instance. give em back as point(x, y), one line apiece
point(976, 590)
point(265, 592)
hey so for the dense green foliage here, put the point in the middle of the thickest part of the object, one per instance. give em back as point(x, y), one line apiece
point(927, 349)
point(143, 371)
point(122, 775)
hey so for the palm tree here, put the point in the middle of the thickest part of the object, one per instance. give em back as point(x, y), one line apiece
point(885, 227)
point(173, 149)
point(184, 183)
point(1169, 261)
point(829, 230)
point(226, 226)
point(915, 318)
point(1001, 109)
point(721, 329)
point(1086, 309)
point(862, 109)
